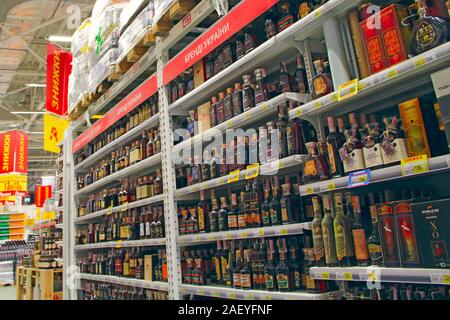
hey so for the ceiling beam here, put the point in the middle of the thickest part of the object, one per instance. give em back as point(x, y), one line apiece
point(25, 73)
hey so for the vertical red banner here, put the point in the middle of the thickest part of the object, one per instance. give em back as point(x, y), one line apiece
point(42, 194)
point(13, 152)
point(59, 67)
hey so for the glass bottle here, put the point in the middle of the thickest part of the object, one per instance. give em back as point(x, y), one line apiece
point(393, 143)
point(250, 42)
point(288, 213)
point(261, 87)
point(322, 83)
point(202, 211)
point(282, 269)
point(246, 272)
point(351, 153)
point(373, 157)
point(240, 45)
point(254, 205)
point(213, 214)
point(233, 213)
point(248, 94)
point(213, 113)
point(270, 24)
point(314, 167)
point(294, 266)
point(342, 232)
point(319, 251)
point(328, 232)
point(301, 79)
point(265, 206)
point(270, 272)
point(222, 214)
point(359, 234)
point(275, 207)
point(242, 214)
point(238, 267)
point(334, 144)
point(236, 99)
point(286, 18)
point(228, 105)
point(285, 80)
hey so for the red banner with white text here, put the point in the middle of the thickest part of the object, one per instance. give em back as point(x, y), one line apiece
point(42, 194)
point(59, 67)
point(239, 17)
point(14, 152)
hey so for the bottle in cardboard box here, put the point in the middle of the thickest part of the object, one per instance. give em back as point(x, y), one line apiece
point(388, 235)
point(373, 45)
point(396, 36)
point(414, 128)
point(351, 153)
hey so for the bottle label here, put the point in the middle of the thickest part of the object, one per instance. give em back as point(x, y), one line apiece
point(310, 282)
point(340, 242)
point(102, 237)
point(242, 221)
point(355, 161)
point(237, 280)
point(408, 239)
point(259, 96)
point(246, 282)
point(319, 250)
point(232, 221)
point(123, 232)
point(331, 159)
point(224, 264)
point(269, 281)
point(310, 168)
point(375, 254)
point(126, 269)
point(147, 227)
point(216, 263)
point(265, 217)
point(283, 281)
point(328, 241)
point(274, 217)
point(297, 280)
point(304, 9)
point(360, 242)
point(399, 151)
point(284, 214)
point(142, 230)
point(320, 86)
point(285, 22)
point(201, 219)
point(373, 156)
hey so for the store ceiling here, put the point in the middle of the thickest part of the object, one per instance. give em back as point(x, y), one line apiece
point(24, 28)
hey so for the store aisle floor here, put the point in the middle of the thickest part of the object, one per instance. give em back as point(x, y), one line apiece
point(8, 293)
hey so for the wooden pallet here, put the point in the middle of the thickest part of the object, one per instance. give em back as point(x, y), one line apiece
point(175, 13)
point(81, 107)
point(44, 279)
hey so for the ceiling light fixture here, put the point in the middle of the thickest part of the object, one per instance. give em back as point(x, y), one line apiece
point(36, 85)
point(27, 112)
point(56, 38)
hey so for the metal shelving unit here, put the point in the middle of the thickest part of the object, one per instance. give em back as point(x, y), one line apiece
point(126, 282)
point(303, 36)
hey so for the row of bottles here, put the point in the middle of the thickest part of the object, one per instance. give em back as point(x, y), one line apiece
point(106, 291)
point(274, 201)
point(49, 251)
point(132, 119)
point(123, 157)
point(145, 222)
point(138, 263)
point(130, 191)
point(272, 264)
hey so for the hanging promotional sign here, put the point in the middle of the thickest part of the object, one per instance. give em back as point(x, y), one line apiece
point(239, 17)
point(42, 194)
point(54, 128)
point(13, 152)
point(13, 184)
point(125, 106)
point(59, 67)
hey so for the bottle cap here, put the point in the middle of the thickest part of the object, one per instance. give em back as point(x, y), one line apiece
point(221, 95)
point(214, 100)
point(237, 86)
point(247, 78)
point(229, 91)
point(330, 122)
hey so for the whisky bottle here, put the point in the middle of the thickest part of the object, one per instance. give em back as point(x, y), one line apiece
point(254, 205)
point(233, 213)
point(224, 262)
point(342, 232)
point(265, 206)
point(261, 87)
point(282, 269)
point(314, 168)
point(269, 24)
point(275, 208)
point(228, 105)
point(228, 278)
point(317, 232)
point(322, 83)
point(216, 262)
point(213, 113)
point(295, 279)
point(246, 272)
point(301, 79)
point(220, 108)
point(359, 235)
point(270, 272)
point(328, 233)
point(248, 94)
point(236, 99)
point(238, 267)
point(286, 18)
point(222, 214)
point(213, 214)
point(250, 42)
point(373, 242)
point(242, 214)
point(285, 80)
point(334, 144)
point(286, 205)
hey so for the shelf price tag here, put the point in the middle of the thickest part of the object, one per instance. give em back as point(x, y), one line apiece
point(234, 176)
point(261, 232)
point(250, 297)
point(125, 207)
point(414, 165)
point(424, 60)
point(244, 235)
point(211, 237)
point(267, 297)
point(109, 211)
point(325, 275)
point(119, 244)
point(298, 112)
point(346, 276)
point(233, 296)
point(252, 171)
point(309, 191)
point(327, 187)
point(264, 107)
point(348, 90)
point(284, 231)
point(229, 236)
point(440, 278)
point(359, 178)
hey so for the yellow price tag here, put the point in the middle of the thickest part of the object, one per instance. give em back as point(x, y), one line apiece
point(298, 112)
point(392, 74)
point(248, 115)
point(260, 232)
point(335, 97)
point(252, 171)
point(244, 235)
point(284, 231)
point(109, 211)
point(229, 124)
point(317, 105)
point(331, 186)
point(325, 275)
point(348, 276)
point(280, 165)
point(309, 190)
point(229, 236)
point(201, 292)
point(211, 237)
point(446, 278)
point(197, 238)
point(119, 244)
point(317, 13)
point(49, 215)
point(361, 86)
point(232, 295)
point(414, 165)
point(234, 176)
point(264, 107)
point(419, 62)
point(372, 276)
point(251, 297)
point(125, 207)
point(348, 89)
point(267, 297)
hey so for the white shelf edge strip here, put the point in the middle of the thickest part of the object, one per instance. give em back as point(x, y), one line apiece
point(122, 244)
point(126, 281)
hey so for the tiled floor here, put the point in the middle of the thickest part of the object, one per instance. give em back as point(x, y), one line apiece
point(8, 293)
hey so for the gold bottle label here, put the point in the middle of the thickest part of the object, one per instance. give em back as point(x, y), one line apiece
point(340, 241)
point(373, 156)
point(332, 160)
point(359, 239)
point(201, 218)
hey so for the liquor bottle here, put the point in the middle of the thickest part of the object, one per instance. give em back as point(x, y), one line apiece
point(430, 30)
point(240, 45)
point(238, 267)
point(285, 80)
point(242, 214)
point(248, 94)
point(236, 99)
point(220, 108)
point(224, 262)
point(286, 204)
point(270, 272)
point(213, 113)
point(250, 42)
point(393, 143)
point(286, 18)
point(314, 167)
point(261, 87)
point(282, 270)
point(228, 54)
point(373, 242)
point(334, 144)
point(228, 278)
point(246, 272)
point(222, 214)
point(275, 208)
point(202, 211)
point(193, 220)
point(228, 105)
point(351, 153)
point(301, 79)
point(342, 232)
point(213, 214)
point(348, 208)
point(373, 157)
point(216, 262)
point(233, 213)
point(322, 83)
point(269, 24)
point(317, 232)
point(328, 233)
point(265, 206)
point(254, 205)
point(359, 234)
point(219, 60)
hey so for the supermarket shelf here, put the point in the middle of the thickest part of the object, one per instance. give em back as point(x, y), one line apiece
point(128, 78)
point(375, 274)
point(266, 169)
point(436, 165)
point(273, 231)
point(12, 234)
point(19, 227)
point(310, 26)
point(139, 167)
point(124, 207)
point(59, 226)
point(130, 135)
point(122, 244)
point(126, 281)
point(9, 213)
point(12, 220)
point(237, 294)
point(259, 112)
point(405, 77)
point(60, 208)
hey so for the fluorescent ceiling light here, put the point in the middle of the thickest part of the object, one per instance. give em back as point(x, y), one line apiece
point(55, 38)
point(27, 112)
point(36, 85)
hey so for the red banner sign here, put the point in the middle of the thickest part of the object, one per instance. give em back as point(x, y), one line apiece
point(239, 17)
point(59, 68)
point(14, 152)
point(42, 194)
point(128, 104)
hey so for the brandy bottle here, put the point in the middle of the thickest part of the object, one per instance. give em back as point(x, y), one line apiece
point(314, 167)
point(334, 144)
point(236, 99)
point(301, 79)
point(286, 18)
point(261, 87)
point(248, 94)
point(322, 82)
point(393, 143)
point(351, 153)
point(373, 157)
point(250, 42)
point(285, 82)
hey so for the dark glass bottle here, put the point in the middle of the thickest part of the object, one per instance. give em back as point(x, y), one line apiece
point(319, 251)
point(228, 105)
point(220, 112)
point(270, 23)
point(322, 82)
point(287, 209)
point(254, 205)
point(328, 232)
point(294, 266)
point(246, 272)
point(240, 45)
point(248, 94)
point(202, 211)
point(265, 206)
point(213, 214)
point(222, 214)
point(233, 213)
point(285, 80)
point(238, 267)
point(236, 99)
point(334, 144)
point(301, 79)
point(242, 214)
point(275, 208)
point(342, 232)
point(282, 269)
point(213, 113)
point(359, 234)
point(261, 87)
point(373, 242)
point(250, 42)
point(270, 272)
point(314, 167)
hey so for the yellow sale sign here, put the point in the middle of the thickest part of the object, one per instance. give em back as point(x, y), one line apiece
point(13, 182)
point(54, 128)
